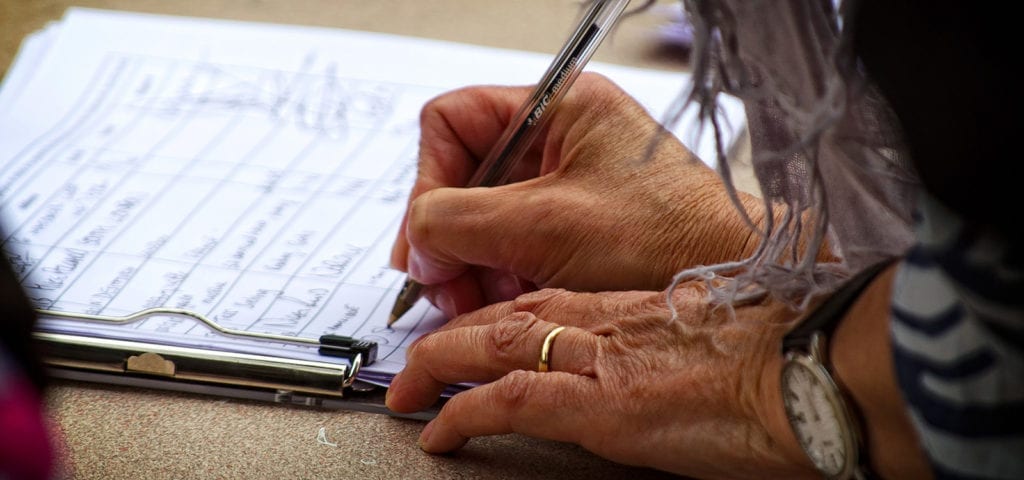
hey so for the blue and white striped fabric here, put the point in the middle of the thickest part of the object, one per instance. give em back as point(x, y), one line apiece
point(958, 345)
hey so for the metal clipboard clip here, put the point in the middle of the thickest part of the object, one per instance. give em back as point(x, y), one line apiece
point(282, 375)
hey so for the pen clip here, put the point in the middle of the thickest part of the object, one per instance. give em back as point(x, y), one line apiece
point(518, 137)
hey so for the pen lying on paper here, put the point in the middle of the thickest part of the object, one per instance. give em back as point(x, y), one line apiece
point(597, 21)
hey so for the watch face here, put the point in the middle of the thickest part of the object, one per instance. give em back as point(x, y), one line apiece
point(818, 416)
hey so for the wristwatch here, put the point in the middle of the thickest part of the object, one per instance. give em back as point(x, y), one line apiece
point(824, 423)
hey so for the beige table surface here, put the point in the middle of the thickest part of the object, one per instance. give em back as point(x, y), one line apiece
point(117, 432)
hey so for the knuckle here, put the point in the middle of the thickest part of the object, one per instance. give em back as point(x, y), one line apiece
point(595, 80)
point(421, 348)
point(516, 388)
point(430, 108)
point(534, 301)
point(510, 334)
point(435, 107)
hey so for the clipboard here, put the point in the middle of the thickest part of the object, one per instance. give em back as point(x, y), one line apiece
point(281, 380)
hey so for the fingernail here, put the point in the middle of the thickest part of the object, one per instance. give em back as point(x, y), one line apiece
point(425, 435)
point(415, 265)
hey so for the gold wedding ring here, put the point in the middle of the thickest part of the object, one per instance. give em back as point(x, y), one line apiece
point(545, 349)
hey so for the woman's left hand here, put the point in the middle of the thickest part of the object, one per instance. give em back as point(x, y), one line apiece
point(699, 396)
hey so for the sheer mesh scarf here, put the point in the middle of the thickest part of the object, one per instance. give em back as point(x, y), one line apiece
point(825, 147)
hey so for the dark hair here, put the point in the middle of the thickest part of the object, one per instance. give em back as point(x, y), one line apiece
point(947, 70)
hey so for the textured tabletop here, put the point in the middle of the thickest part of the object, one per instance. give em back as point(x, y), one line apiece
point(112, 432)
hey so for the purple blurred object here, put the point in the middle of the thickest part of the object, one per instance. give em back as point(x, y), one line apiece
point(679, 31)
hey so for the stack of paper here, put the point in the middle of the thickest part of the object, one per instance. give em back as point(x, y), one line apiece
point(255, 174)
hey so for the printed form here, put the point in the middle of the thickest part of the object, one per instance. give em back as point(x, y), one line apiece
point(255, 174)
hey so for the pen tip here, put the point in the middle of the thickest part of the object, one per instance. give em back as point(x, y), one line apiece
point(392, 319)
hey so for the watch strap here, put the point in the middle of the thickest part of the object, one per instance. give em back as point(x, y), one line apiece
point(826, 317)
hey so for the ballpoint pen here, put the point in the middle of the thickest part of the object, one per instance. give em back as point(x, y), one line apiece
point(595, 24)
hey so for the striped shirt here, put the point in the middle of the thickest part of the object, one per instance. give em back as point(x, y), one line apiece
point(958, 345)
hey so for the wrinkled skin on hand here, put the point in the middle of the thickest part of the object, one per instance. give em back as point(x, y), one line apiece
point(593, 206)
point(698, 396)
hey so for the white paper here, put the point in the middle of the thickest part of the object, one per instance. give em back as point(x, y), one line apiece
point(253, 173)
point(31, 53)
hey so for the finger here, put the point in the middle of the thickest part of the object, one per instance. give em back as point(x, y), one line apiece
point(457, 130)
point(527, 302)
point(499, 286)
point(546, 405)
point(400, 249)
point(474, 289)
point(594, 312)
point(484, 353)
point(481, 316)
point(509, 229)
point(458, 295)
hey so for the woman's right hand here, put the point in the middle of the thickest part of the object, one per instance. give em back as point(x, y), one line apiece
point(595, 205)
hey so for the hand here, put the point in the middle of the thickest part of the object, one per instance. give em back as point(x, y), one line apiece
point(697, 397)
point(591, 211)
